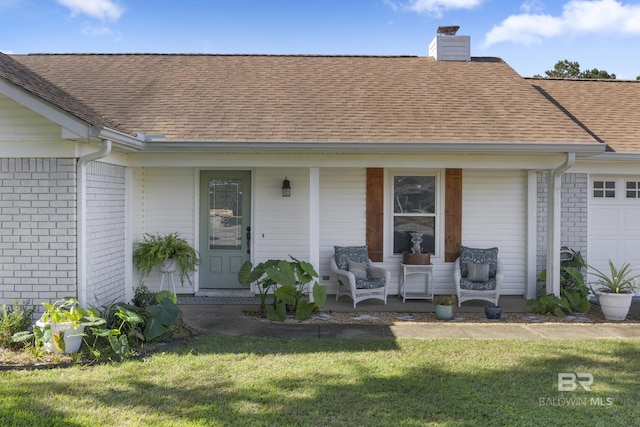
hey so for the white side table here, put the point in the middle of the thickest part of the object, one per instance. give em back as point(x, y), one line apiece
point(408, 269)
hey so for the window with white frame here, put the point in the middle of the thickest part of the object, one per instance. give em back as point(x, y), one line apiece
point(633, 190)
point(604, 189)
point(414, 211)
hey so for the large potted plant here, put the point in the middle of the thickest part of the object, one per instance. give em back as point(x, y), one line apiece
point(614, 290)
point(60, 329)
point(164, 252)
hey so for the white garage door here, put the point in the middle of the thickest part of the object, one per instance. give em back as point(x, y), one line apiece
point(614, 221)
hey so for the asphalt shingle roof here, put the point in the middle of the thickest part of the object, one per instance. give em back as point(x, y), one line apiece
point(306, 98)
point(609, 109)
point(20, 75)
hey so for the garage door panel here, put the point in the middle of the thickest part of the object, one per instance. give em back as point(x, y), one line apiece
point(603, 219)
point(630, 220)
point(604, 249)
point(614, 226)
point(631, 249)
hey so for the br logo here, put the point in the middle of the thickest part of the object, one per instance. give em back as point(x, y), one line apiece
point(568, 381)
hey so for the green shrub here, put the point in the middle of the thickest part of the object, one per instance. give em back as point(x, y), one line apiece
point(14, 318)
point(574, 293)
point(143, 297)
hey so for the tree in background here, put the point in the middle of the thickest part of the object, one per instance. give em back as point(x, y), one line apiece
point(571, 70)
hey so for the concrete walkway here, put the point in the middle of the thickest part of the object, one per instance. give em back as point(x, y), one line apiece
point(231, 320)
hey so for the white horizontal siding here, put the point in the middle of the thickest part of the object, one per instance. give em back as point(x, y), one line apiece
point(18, 123)
point(281, 224)
point(494, 214)
point(163, 201)
point(342, 215)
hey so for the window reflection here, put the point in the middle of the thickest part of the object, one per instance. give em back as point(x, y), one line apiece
point(414, 207)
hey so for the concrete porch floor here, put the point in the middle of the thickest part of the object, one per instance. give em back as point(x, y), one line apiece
point(509, 304)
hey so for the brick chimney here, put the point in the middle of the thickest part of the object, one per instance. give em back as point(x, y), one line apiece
point(446, 46)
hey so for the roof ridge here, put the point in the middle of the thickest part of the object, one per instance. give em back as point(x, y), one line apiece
point(578, 79)
point(217, 54)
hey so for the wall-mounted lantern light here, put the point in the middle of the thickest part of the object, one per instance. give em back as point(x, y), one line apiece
point(286, 188)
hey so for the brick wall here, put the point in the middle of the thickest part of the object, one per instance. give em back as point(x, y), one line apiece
point(37, 229)
point(105, 233)
point(573, 215)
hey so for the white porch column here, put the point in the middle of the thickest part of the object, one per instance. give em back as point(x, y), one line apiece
point(532, 231)
point(314, 220)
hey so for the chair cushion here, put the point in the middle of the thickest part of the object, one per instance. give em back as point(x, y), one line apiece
point(478, 256)
point(371, 283)
point(359, 269)
point(477, 272)
point(354, 253)
point(468, 285)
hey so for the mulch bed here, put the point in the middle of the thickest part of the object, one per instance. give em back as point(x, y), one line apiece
point(389, 318)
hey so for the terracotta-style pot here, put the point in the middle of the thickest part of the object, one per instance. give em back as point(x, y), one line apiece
point(416, 259)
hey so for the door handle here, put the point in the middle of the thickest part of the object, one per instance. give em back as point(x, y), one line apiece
point(248, 240)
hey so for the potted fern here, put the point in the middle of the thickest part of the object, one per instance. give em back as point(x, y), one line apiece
point(168, 253)
point(614, 290)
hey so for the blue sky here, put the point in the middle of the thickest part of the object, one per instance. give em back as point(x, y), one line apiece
point(530, 35)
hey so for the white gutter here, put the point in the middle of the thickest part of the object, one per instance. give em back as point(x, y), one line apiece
point(586, 149)
point(615, 157)
point(82, 218)
point(554, 202)
point(123, 141)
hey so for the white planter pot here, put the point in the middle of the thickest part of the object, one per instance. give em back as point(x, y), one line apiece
point(169, 266)
point(615, 306)
point(72, 337)
point(444, 312)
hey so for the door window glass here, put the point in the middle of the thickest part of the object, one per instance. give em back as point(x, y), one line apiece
point(225, 213)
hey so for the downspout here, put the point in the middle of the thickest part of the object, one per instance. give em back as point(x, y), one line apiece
point(82, 218)
point(554, 202)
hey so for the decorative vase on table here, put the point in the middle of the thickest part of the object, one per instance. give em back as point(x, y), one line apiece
point(416, 256)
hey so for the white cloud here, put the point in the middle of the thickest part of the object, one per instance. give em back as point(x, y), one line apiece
point(7, 52)
point(433, 7)
point(105, 10)
point(532, 6)
point(578, 17)
point(95, 31)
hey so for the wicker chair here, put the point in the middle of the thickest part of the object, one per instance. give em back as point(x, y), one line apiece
point(358, 277)
point(478, 275)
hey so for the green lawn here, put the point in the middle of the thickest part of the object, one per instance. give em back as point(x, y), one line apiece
point(253, 382)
